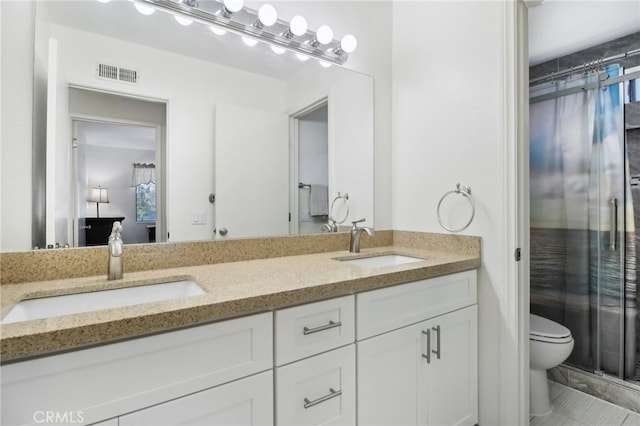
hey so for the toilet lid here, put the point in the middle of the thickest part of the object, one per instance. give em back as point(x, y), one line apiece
point(547, 329)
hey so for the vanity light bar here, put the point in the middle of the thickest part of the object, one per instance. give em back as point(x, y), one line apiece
point(242, 23)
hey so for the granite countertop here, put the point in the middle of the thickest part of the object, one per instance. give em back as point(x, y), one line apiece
point(232, 289)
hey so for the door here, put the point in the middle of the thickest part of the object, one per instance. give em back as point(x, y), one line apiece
point(449, 391)
point(423, 374)
point(251, 180)
point(245, 402)
point(389, 370)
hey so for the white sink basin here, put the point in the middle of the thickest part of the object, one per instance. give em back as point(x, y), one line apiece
point(53, 306)
point(382, 260)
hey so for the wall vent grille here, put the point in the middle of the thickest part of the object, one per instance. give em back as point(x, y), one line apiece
point(111, 72)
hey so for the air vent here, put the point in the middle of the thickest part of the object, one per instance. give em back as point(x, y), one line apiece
point(111, 72)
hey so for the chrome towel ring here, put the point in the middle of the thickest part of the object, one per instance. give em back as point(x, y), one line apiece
point(345, 203)
point(465, 191)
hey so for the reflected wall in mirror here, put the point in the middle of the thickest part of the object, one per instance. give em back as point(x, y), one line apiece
point(231, 112)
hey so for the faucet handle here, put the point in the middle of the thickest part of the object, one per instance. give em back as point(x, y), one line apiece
point(356, 222)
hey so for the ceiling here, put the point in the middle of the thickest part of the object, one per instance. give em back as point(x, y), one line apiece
point(561, 27)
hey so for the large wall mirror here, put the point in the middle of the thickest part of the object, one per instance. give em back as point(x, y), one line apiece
point(237, 141)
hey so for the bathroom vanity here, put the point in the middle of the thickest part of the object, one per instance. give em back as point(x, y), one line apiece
point(307, 339)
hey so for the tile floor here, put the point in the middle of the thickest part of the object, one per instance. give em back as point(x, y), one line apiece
point(575, 408)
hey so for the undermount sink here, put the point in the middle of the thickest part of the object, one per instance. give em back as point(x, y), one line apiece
point(377, 261)
point(53, 306)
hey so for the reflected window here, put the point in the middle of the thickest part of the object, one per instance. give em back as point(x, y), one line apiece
point(146, 202)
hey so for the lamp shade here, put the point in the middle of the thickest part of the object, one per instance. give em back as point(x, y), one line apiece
point(98, 195)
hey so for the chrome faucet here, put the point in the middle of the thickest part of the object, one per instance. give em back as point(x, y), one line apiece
point(115, 253)
point(330, 226)
point(356, 232)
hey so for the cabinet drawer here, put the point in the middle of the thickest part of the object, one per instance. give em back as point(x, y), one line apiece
point(106, 381)
point(379, 311)
point(245, 402)
point(306, 330)
point(320, 390)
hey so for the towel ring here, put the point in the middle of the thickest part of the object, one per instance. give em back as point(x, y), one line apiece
point(465, 191)
point(344, 197)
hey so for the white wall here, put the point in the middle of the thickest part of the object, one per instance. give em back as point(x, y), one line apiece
point(16, 46)
point(448, 124)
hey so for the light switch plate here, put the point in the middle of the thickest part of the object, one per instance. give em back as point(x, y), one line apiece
point(198, 217)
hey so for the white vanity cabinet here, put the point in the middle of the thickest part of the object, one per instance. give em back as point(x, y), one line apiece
point(421, 368)
point(316, 364)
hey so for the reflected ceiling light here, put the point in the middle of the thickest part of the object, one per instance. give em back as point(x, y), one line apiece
point(260, 25)
point(267, 16)
point(323, 36)
point(302, 57)
point(278, 50)
point(183, 21)
point(145, 10)
point(104, 1)
point(297, 27)
point(230, 7)
point(325, 64)
point(249, 41)
point(217, 30)
point(347, 44)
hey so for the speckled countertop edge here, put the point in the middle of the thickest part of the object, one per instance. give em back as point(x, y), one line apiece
point(233, 289)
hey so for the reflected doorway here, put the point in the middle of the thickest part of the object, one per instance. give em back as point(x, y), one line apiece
point(116, 179)
point(310, 169)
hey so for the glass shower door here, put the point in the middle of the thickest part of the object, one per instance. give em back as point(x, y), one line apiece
point(608, 237)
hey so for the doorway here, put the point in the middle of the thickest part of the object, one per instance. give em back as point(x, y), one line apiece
point(310, 169)
point(115, 180)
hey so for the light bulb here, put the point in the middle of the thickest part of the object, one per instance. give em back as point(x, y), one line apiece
point(145, 10)
point(278, 50)
point(183, 21)
point(217, 31)
point(325, 64)
point(348, 43)
point(324, 34)
point(302, 57)
point(249, 41)
point(233, 5)
point(298, 25)
point(267, 15)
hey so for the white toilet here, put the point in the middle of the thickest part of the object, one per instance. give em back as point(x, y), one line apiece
point(550, 344)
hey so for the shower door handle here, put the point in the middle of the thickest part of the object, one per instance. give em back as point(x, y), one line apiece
point(613, 231)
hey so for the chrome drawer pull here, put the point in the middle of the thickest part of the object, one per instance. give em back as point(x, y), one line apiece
point(332, 324)
point(437, 330)
point(332, 394)
point(427, 356)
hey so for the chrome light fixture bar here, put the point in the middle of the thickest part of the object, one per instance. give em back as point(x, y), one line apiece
point(243, 22)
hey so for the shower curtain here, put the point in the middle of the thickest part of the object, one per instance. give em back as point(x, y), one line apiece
point(577, 166)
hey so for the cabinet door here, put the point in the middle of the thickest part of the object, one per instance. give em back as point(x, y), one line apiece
point(320, 390)
point(389, 370)
point(245, 402)
point(450, 388)
point(424, 374)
